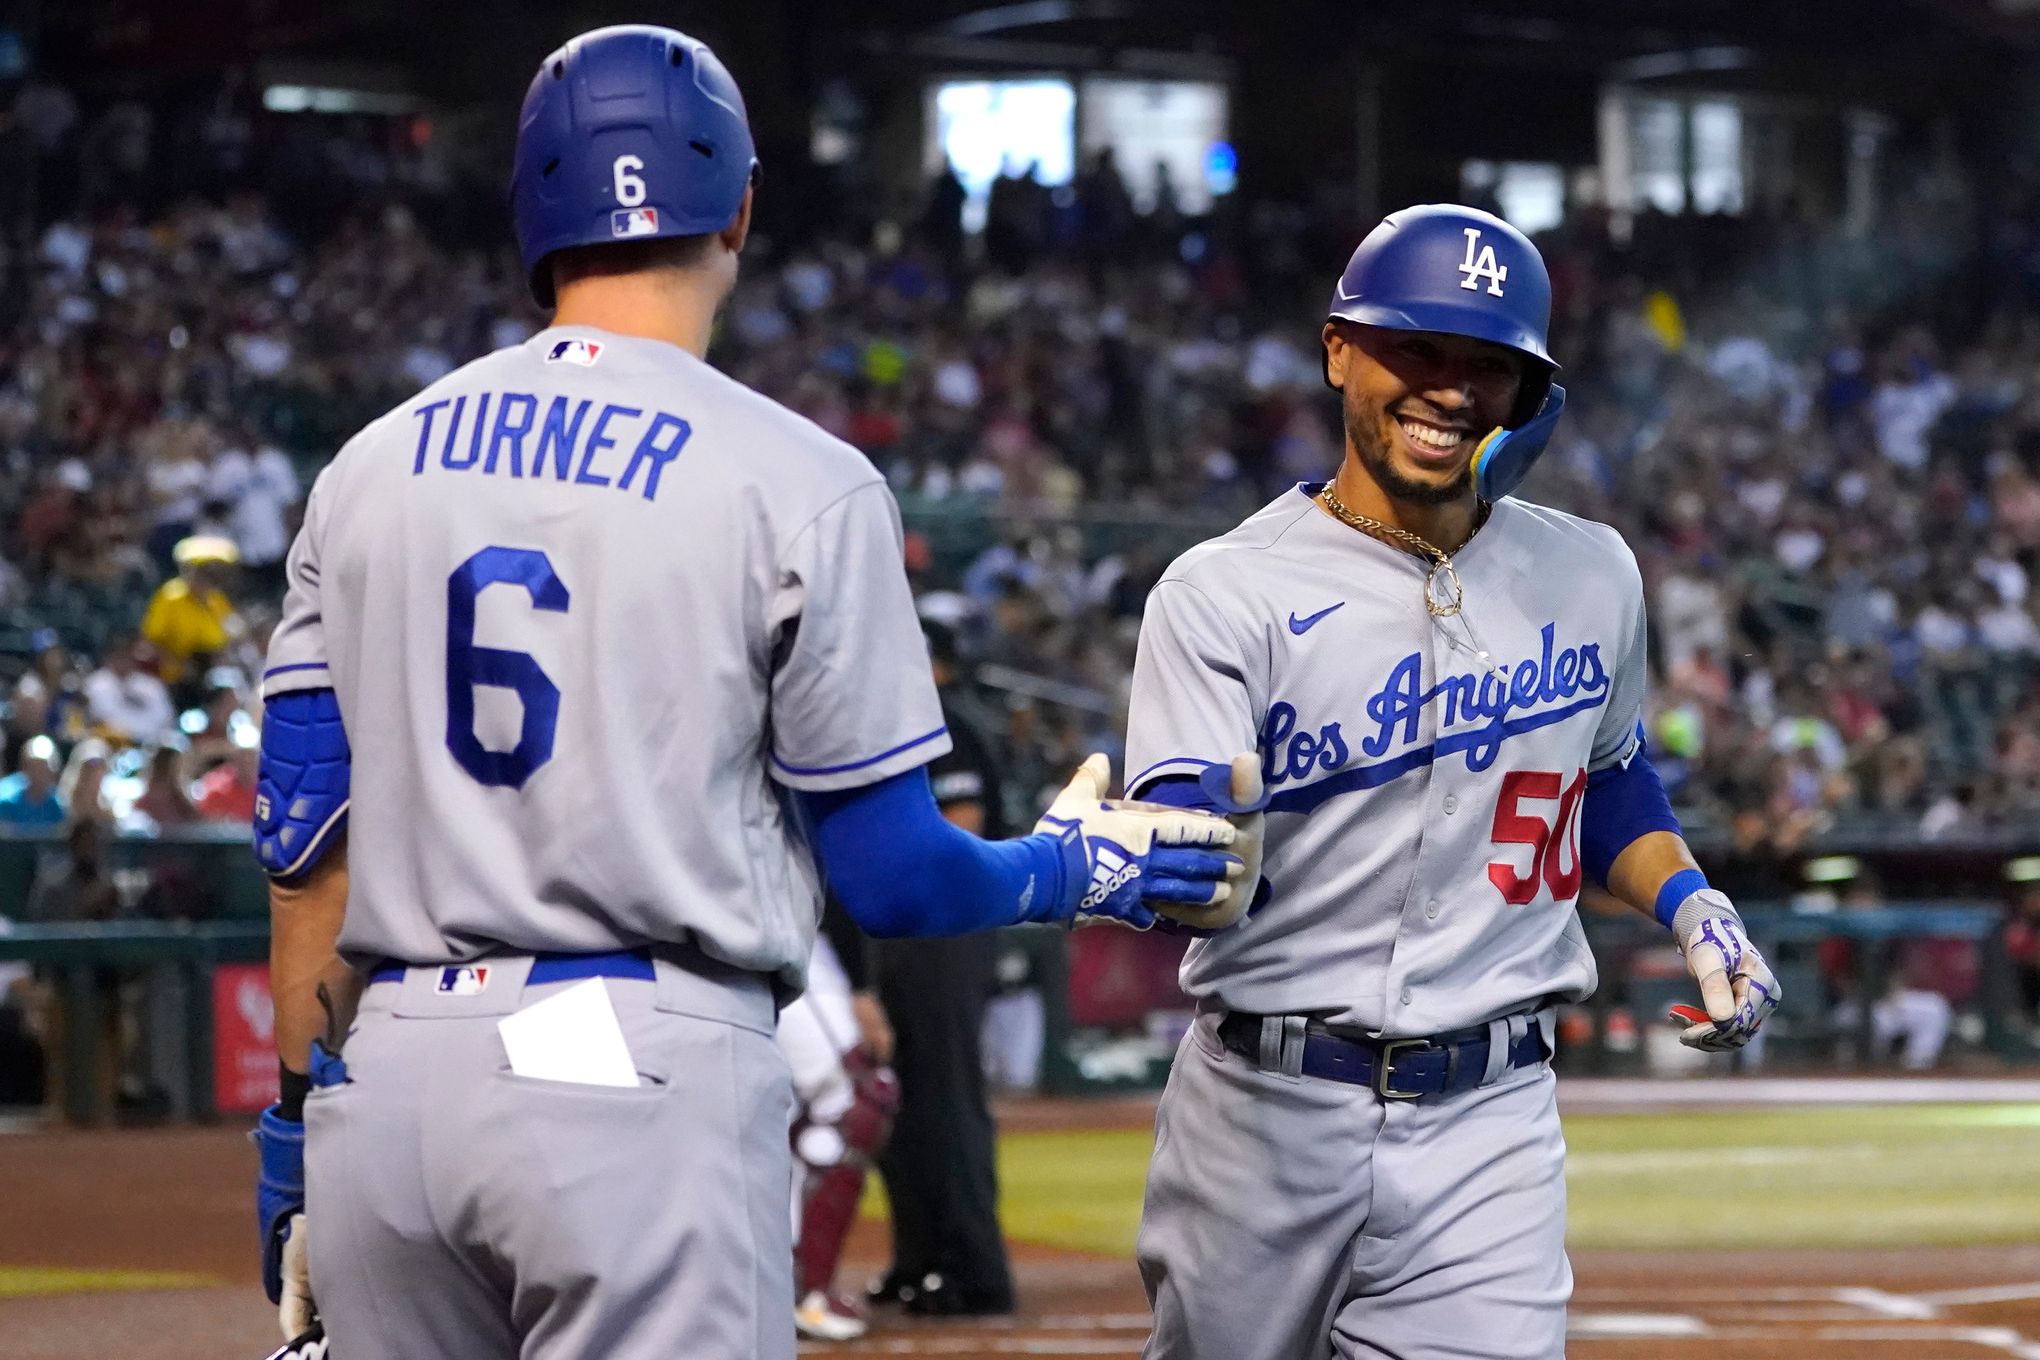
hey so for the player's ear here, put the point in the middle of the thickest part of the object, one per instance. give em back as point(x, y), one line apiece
point(737, 232)
point(1337, 351)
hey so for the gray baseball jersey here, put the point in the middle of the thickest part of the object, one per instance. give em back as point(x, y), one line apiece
point(584, 602)
point(1423, 834)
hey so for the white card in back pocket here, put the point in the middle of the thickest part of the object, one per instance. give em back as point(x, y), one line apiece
point(573, 1036)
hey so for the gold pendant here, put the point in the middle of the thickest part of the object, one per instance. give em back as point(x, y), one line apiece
point(1446, 607)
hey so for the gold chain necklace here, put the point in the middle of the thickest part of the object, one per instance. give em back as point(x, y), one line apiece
point(1441, 565)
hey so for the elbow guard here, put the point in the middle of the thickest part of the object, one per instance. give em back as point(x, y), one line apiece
point(1623, 802)
point(301, 793)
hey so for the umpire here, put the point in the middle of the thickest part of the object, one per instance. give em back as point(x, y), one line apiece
point(949, 1258)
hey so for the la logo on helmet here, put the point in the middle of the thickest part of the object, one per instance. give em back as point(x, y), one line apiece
point(1481, 265)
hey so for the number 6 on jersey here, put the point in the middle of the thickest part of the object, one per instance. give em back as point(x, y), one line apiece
point(468, 666)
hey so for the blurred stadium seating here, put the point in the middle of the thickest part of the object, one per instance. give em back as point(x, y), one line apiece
point(1822, 439)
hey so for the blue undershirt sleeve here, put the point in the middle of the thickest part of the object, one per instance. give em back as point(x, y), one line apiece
point(1623, 802)
point(1211, 792)
point(901, 869)
point(1183, 791)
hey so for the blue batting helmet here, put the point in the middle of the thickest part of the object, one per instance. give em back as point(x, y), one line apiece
point(627, 133)
point(1442, 267)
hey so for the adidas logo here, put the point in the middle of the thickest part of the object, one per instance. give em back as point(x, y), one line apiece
point(1110, 871)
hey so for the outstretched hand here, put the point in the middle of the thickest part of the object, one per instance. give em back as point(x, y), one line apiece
point(1126, 861)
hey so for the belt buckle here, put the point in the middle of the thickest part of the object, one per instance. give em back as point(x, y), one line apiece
point(1384, 1068)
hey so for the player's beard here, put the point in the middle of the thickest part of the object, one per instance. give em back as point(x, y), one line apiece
point(1373, 442)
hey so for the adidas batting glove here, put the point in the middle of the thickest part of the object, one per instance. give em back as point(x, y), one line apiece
point(1125, 861)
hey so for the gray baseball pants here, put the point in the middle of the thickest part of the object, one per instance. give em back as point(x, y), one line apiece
point(460, 1211)
point(1294, 1218)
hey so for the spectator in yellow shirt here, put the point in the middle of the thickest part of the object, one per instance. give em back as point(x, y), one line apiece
point(190, 619)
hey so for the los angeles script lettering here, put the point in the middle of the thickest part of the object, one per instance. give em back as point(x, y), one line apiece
point(1485, 701)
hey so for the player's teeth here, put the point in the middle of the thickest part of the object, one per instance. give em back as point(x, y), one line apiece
point(1432, 438)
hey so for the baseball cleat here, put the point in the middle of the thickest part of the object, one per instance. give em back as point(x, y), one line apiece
point(892, 1288)
point(824, 1317)
point(940, 1296)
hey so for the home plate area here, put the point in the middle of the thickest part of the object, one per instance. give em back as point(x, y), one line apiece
point(1674, 1321)
point(1625, 1307)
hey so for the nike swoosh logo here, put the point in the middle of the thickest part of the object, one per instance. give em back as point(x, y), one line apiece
point(1302, 626)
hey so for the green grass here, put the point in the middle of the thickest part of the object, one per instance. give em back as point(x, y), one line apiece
point(31, 1281)
point(1811, 1177)
point(1878, 1176)
point(1078, 1190)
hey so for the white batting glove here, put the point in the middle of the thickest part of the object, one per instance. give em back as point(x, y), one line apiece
point(1125, 861)
point(295, 1311)
point(1737, 988)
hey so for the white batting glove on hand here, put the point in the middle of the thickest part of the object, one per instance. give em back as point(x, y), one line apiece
point(295, 1310)
point(1126, 861)
point(1737, 988)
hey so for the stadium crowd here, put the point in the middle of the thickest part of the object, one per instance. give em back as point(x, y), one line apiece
point(1838, 521)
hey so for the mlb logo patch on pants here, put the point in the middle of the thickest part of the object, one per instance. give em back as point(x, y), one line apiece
point(464, 980)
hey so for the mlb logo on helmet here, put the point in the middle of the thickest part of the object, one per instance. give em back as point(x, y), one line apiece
point(634, 222)
point(582, 352)
point(463, 980)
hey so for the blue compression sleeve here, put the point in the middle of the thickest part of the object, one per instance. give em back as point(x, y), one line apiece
point(1623, 802)
point(1209, 792)
point(1183, 791)
point(301, 791)
point(901, 869)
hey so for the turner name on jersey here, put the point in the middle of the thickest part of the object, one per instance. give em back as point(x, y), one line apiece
point(543, 624)
point(567, 439)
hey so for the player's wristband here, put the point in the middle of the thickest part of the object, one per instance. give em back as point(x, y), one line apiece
point(293, 1087)
point(1675, 891)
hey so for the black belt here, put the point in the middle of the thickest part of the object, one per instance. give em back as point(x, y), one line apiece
point(1396, 1069)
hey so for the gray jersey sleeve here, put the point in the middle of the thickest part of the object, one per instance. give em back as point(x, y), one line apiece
point(1615, 739)
point(1193, 703)
point(297, 649)
point(853, 700)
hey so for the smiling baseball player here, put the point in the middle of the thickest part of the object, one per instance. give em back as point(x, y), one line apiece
point(1359, 1153)
point(594, 654)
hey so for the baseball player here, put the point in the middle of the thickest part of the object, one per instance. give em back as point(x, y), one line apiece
point(1358, 1153)
point(597, 657)
point(845, 1099)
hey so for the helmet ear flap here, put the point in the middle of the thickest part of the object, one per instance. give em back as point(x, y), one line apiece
point(1530, 396)
point(1506, 456)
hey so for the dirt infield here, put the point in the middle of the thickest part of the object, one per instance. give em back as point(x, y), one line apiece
point(94, 1225)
